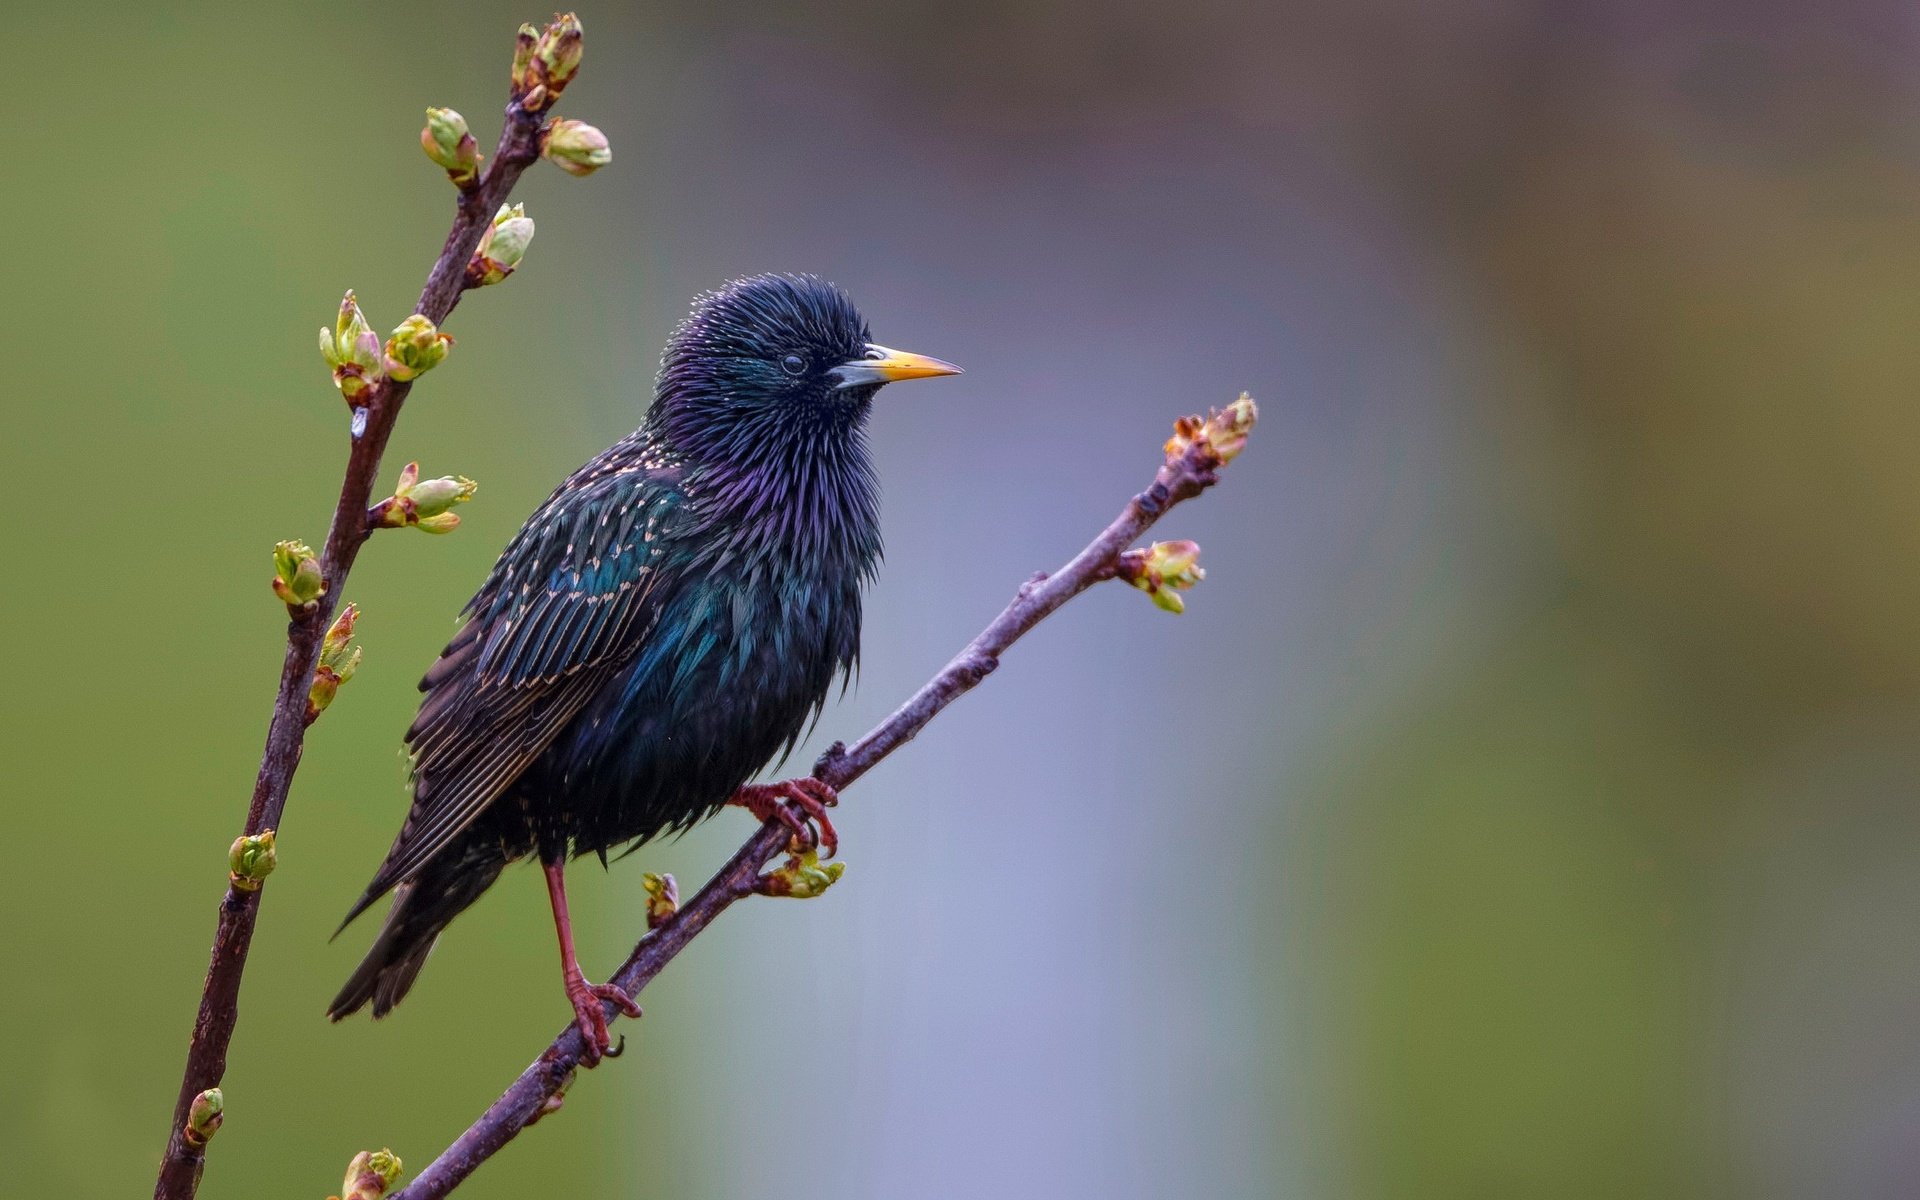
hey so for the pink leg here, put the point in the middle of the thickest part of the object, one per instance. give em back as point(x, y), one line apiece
point(585, 997)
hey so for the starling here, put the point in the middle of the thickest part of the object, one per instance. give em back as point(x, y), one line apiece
point(659, 630)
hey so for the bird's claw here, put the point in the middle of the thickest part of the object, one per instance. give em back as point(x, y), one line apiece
point(810, 825)
point(591, 1019)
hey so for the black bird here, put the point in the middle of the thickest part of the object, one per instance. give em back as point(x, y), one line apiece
point(657, 632)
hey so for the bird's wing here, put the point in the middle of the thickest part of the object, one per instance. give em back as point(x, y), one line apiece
point(566, 606)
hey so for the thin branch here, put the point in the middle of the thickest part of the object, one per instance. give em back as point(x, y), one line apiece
point(1193, 458)
point(219, 1000)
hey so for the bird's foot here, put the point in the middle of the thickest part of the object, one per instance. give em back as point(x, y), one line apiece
point(591, 1019)
point(778, 802)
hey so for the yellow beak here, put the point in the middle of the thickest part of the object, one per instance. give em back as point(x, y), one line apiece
point(883, 365)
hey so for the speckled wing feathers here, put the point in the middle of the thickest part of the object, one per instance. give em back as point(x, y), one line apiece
point(568, 604)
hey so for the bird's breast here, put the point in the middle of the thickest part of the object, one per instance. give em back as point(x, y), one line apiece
point(740, 659)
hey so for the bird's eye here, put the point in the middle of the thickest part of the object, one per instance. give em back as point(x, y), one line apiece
point(874, 354)
point(793, 364)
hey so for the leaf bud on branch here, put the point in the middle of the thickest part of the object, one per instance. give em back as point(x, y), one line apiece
point(575, 147)
point(369, 1175)
point(296, 576)
point(339, 659)
point(424, 505)
point(250, 860)
point(501, 247)
point(415, 348)
point(204, 1117)
point(801, 877)
point(451, 146)
point(352, 349)
point(545, 62)
point(1163, 570)
point(663, 898)
point(1224, 431)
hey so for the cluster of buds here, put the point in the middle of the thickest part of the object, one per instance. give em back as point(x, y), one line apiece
point(501, 247)
point(415, 348)
point(369, 1175)
point(575, 147)
point(1163, 570)
point(339, 659)
point(801, 877)
point(545, 62)
point(250, 860)
point(296, 576)
point(203, 1118)
point(663, 898)
point(423, 504)
point(451, 147)
point(352, 349)
point(1224, 430)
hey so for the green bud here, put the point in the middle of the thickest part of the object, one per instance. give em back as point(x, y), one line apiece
point(370, 1174)
point(339, 659)
point(423, 504)
point(512, 234)
point(250, 860)
point(1228, 428)
point(325, 686)
point(204, 1117)
point(1224, 431)
point(352, 349)
point(501, 247)
point(663, 898)
point(1175, 563)
point(1163, 570)
point(542, 71)
point(802, 877)
point(575, 147)
point(350, 331)
point(811, 879)
point(297, 579)
point(334, 645)
point(415, 348)
point(523, 46)
point(559, 51)
point(436, 496)
point(451, 147)
point(348, 664)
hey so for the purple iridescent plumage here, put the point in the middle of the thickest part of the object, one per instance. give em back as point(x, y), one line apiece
point(661, 628)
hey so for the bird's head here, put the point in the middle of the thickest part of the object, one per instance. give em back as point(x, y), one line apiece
point(774, 362)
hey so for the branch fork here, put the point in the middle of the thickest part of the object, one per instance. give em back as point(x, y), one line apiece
point(374, 378)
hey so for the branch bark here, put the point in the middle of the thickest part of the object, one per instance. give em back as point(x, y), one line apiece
point(183, 1162)
point(1191, 467)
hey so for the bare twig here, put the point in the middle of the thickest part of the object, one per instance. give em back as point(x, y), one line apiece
point(519, 146)
point(1193, 458)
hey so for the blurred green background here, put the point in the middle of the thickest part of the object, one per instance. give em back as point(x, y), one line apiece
point(1522, 808)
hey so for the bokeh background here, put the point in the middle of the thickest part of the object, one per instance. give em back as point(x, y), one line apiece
point(1524, 807)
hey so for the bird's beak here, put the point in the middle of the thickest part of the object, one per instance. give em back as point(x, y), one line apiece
point(882, 365)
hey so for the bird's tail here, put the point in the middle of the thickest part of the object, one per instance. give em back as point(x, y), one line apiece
point(422, 907)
